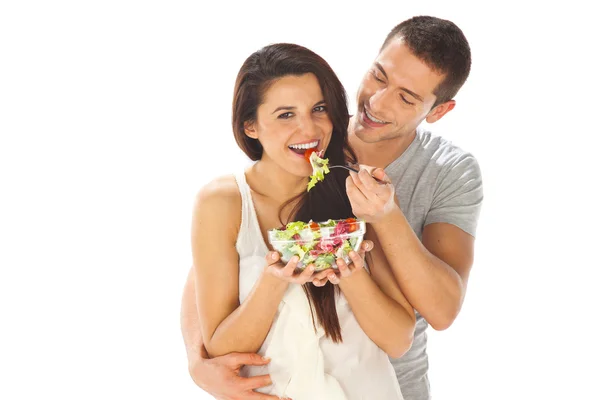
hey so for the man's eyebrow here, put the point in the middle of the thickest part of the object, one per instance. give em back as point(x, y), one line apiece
point(413, 94)
point(380, 68)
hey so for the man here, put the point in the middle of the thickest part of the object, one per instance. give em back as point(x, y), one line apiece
point(426, 228)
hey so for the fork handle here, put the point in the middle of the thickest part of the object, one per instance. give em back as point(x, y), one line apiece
point(355, 170)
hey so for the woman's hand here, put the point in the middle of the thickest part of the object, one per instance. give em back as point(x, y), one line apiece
point(288, 272)
point(344, 270)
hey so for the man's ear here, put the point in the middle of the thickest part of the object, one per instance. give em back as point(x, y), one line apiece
point(250, 130)
point(439, 111)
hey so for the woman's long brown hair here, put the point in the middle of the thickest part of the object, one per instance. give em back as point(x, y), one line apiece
point(327, 199)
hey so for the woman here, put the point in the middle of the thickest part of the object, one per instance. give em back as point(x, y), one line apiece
point(287, 99)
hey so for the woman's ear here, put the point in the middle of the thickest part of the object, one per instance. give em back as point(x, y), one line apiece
point(250, 130)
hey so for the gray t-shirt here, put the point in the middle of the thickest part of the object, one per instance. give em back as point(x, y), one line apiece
point(435, 181)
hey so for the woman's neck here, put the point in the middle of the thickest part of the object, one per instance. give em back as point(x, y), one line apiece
point(268, 179)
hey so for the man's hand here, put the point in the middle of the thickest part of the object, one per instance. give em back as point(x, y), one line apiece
point(370, 200)
point(344, 270)
point(220, 377)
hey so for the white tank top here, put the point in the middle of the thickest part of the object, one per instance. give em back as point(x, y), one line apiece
point(305, 365)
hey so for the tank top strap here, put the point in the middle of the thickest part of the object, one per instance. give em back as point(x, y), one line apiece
point(250, 240)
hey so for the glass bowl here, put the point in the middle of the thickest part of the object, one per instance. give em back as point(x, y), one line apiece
point(319, 243)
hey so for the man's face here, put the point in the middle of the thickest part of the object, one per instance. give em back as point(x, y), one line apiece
point(395, 95)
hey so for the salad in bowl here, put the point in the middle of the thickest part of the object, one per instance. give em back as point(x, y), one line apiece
point(318, 243)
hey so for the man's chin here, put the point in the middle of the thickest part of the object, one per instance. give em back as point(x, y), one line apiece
point(367, 135)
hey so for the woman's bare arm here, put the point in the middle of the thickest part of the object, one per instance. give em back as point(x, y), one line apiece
point(226, 325)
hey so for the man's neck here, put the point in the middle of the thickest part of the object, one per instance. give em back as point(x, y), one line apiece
point(380, 154)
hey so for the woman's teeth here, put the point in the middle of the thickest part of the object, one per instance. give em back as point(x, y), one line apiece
point(304, 146)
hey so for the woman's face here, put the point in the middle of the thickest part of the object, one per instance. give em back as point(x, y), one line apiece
point(292, 119)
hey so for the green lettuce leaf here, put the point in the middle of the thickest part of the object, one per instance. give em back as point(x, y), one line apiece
point(320, 167)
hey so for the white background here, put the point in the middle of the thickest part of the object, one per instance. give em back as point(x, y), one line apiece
point(114, 113)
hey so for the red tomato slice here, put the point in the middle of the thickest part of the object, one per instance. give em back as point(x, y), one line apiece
point(352, 224)
point(307, 154)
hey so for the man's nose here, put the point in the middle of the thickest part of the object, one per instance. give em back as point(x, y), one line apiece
point(379, 100)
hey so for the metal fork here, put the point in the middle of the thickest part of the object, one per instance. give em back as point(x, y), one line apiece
point(349, 168)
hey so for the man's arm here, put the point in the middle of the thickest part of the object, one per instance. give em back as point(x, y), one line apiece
point(190, 325)
point(432, 274)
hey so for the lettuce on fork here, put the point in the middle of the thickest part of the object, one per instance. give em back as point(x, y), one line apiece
point(320, 167)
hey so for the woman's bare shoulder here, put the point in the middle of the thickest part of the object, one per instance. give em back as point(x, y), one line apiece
point(223, 188)
point(219, 202)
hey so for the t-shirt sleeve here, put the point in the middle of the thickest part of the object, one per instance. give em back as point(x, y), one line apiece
point(458, 198)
